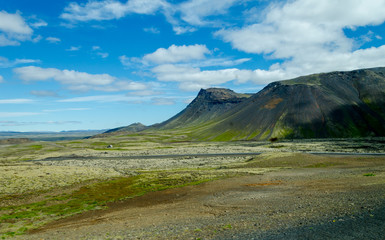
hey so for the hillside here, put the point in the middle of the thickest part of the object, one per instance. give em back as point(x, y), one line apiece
point(132, 128)
point(209, 104)
point(327, 105)
point(337, 104)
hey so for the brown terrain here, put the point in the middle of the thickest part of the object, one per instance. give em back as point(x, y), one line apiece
point(340, 197)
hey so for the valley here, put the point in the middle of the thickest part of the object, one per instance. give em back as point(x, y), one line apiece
point(156, 186)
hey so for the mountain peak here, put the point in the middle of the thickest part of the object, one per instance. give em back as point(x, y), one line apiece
point(220, 95)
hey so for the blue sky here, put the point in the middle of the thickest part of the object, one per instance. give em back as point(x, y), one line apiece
point(101, 64)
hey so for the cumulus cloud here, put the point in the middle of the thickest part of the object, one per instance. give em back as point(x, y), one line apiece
point(77, 81)
point(153, 30)
point(70, 77)
point(183, 64)
point(177, 54)
point(195, 12)
point(73, 48)
point(13, 29)
point(53, 39)
point(309, 35)
point(184, 16)
point(109, 9)
point(192, 79)
point(103, 54)
point(39, 23)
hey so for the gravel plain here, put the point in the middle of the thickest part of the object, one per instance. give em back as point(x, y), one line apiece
point(283, 193)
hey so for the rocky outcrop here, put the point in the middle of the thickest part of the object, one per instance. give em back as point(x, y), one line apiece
point(209, 104)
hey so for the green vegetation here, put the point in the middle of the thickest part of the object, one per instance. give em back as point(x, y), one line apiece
point(18, 219)
point(36, 147)
point(369, 174)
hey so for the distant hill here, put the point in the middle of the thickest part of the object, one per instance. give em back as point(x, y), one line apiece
point(50, 136)
point(135, 127)
point(9, 141)
point(327, 105)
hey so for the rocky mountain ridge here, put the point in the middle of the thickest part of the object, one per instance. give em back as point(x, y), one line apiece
point(327, 105)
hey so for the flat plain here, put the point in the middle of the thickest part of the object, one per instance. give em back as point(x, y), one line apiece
point(152, 186)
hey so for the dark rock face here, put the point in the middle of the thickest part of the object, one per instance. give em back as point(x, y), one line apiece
point(209, 104)
point(336, 104)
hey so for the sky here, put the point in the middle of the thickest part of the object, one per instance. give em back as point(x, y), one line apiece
point(101, 64)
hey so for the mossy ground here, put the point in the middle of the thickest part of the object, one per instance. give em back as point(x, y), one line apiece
point(17, 219)
point(22, 216)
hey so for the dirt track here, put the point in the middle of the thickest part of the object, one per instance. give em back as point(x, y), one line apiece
point(304, 203)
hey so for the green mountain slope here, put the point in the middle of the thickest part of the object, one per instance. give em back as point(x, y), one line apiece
point(337, 104)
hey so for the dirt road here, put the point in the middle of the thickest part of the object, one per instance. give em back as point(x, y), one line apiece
point(304, 203)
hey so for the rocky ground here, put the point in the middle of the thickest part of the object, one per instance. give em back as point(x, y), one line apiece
point(282, 193)
point(316, 203)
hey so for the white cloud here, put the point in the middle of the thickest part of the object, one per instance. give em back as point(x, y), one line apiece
point(163, 101)
point(32, 73)
point(98, 49)
point(13, 29)
point(25, 61)
point(17, 123)
point(53, 39)
point(192, 79)
point(1, 79)
point(78, 81)
point(153, 30)
point(309, 36)
point(194, 12)
point(6, 63)
point(16, 101)
point(109, 9)
point(73, 48)
point(102, 98)
point(44, 93)
point(102, 54)
point(130, 99)
point(66, 109)
point(177, 54)
point(70, 77)
point(183, 64)
point(182, 16)
point(14, 24)
point(17, 114)
point(39, 23)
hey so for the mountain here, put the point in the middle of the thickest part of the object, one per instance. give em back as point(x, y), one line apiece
point(135, 127)
point(209, 104)
point(327, 105)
